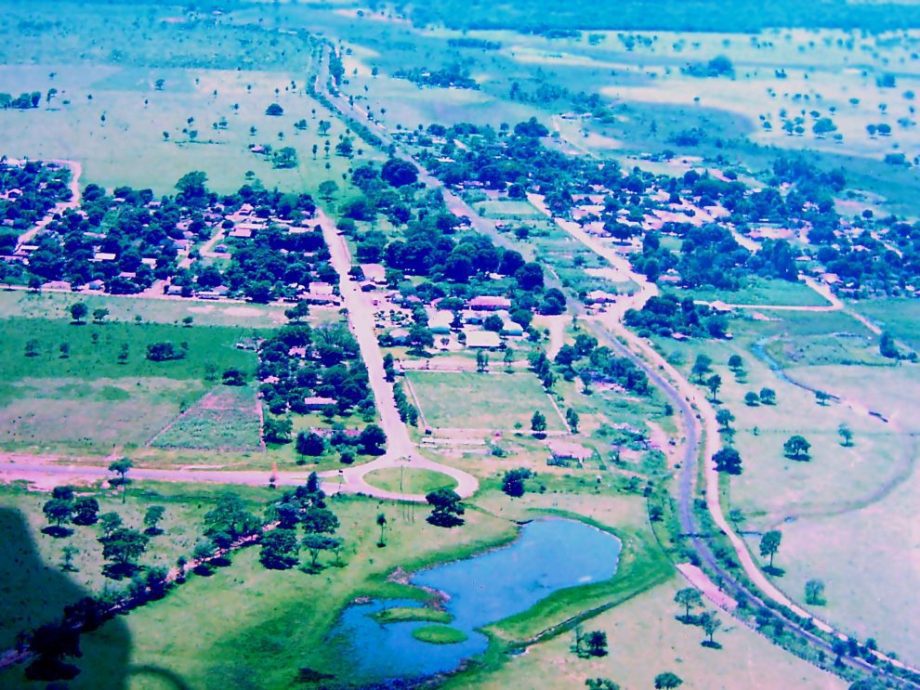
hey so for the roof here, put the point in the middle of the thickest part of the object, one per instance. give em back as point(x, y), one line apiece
point(318, 401)
point(482, 339)
point(489, 302)
point(376, 273)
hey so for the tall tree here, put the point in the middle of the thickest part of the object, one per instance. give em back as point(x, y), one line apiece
point(688, 597)
point(121, 467)
point(769, 544)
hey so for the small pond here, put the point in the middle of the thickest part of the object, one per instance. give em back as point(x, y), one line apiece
point(548, 555)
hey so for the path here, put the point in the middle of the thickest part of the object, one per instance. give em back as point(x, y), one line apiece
point(401, 451)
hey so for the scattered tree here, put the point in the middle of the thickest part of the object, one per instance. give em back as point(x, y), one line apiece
point(688, 597)
point(152, 518)
point(446, 508)
point(814, 593)
point(769, 544)
point(279, 549)
point(538, 422)
point(846, 435)
point(121, 467)
point(797, 447)
point(727, 460)
point(78, 312)
point(667, 681)
point(382, 524)
point(710, 623)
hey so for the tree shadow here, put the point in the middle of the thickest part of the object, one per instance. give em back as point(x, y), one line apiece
point(40, 605)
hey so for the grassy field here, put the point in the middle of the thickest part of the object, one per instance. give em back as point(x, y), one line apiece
point(226, 418)
point(278, 619)
point(410, 481)
point(34, 588)
point(762, 291)
point(645, 639)
point(481, 401)
point(94, 350)
point(898, 316)
point(66, 414)
point(55, 305)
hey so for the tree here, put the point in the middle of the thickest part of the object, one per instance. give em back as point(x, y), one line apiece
point(277, 429)
point(710, 623)
point(769, 544)
point(382, 524)
point(796, 447)
point(274, 110)
point(193, 184)
point(68, 553)
point(572, 418)
point(50, 644)
point(100, 315)
point(229, 520)
point(122, 548)
point(316, 543)
point(688, 597)
point(446, 508)
point(846, 435)
point(596, 643)
point(814, 593)
point(701, 366)
point(152, 518)
point(279, 549)
point(317, 520)
point(822, 397)
point(667, 681)
point(751, 399)
point(482, 361)
point(85, 511)
point(887, 347)
point(601, 684)
point(78, 312)
point(399, 173)
point(513, 481)
point(328, 189)
point(767, 396)
point(121, 467)
point(725, 418)
point(538, 422)
point(311, 444)
point(735, 363)
point(727, 460)
point(372, 440)
point(58, 511)
point(714, 383)
point(109, 522)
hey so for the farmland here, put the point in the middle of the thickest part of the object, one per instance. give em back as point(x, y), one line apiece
point(315, 303)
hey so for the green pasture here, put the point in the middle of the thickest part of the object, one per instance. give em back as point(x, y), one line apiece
point(409, 481)
point(482, 401)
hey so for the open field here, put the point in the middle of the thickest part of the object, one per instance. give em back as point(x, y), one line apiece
point(55, 305)
point(35, 589)
point(482, 401)
point(897, 316)
point(410, 481)
point(226, 418)
point(644, 640)
point(94, 350)
point(762, 291)
point(52, 414)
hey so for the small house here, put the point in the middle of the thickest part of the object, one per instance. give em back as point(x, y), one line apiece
point(318, 402)
point(489, 303)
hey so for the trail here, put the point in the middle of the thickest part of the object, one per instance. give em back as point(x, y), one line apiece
point(76, 170)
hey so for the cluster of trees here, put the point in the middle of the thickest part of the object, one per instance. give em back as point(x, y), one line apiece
point(24, 101)
point(513, 481)
point(719, 66)
point(39, 186)
point(446, 508)
point(667, 315)
point(305, 511)
point(299, 362)
point(454, 75)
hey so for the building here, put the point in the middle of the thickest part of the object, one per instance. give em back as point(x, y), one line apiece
point(375, 273)
point(567, 450)
point(318, 402)
point(440, 322)
point(489, 303)
point(482, 339)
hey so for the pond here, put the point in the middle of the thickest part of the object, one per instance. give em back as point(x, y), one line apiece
point(548, 555)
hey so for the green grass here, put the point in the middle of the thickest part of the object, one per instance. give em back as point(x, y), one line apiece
point(762, 291)
point(409, 481)
point(439, 634)
point(34, 589)
point(226, 418)
point(481, 401)
point(52, 415)
point(246, 622)
point(55, 305)
point(898, 316)
point(94, 350)
point(408, 614)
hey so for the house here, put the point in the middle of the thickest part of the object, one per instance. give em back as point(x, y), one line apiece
point(399, 336)
point(512, 328)
point(318, 402)
point(439, 323)
point(489, 303)
point(244, 233)
point(104, 256)
point(482, 339)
